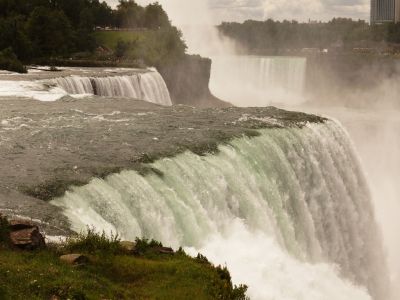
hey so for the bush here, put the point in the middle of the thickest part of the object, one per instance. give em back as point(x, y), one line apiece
point(229, 291)
point(144, 245)
point(93, 242)
point(4, 231)
point(10, 62)
point(123, 47)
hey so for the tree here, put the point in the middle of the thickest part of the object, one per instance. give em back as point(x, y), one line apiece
point(50, 31)
point(12, 34)
point(10, 62)
point(155, 17)
point(393, 33)
point(129, 14)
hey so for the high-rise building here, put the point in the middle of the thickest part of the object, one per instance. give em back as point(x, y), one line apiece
point(397, 11)
point(383, 11)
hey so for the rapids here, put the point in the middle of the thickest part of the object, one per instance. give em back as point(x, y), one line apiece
point(282, 210)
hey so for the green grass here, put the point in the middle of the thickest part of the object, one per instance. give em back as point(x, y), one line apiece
point(151, 47)
point(110, 38)
point(111, 274)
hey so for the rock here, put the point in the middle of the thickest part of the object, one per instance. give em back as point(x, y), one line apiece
point(165, 250)
point(20, 224)
point(25, 235)
point(75, 259)
point(129, 247)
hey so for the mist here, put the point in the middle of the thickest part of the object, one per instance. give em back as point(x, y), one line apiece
point(370, 112)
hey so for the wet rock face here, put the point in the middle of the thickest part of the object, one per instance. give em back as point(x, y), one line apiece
point(188, 82)
point(46, 147)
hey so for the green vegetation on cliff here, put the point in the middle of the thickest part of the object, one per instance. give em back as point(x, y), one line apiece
point(150, 47)
point(45, 31)
point(110, 272)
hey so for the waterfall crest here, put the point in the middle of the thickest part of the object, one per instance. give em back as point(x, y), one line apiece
point(258, 80)
point(148, 86)
point(299, 192)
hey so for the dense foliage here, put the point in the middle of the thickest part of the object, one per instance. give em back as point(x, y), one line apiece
point(152, 47)
point(273, 36)
point(9, 61)
point(58, 28)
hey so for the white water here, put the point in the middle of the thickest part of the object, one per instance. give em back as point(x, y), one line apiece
point(375, 133)
point(281, 210)
point(258, 81)
point(148, 86)
point(30, 89)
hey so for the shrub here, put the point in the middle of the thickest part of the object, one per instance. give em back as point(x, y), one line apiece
point(144, 245)
point(230, 291)
point(4, 231)
point(93, 242)
point(123, 47)
point(10, 62)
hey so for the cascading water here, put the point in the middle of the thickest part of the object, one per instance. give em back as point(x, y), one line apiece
point(292, 203)
point(258, 80)
point(148, 86)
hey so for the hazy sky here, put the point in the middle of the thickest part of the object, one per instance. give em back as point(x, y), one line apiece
point(182, 11)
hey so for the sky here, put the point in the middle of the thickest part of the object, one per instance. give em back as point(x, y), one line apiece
point(216, 11)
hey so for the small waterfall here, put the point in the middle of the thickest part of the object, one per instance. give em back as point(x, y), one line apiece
point(148, 86)
point(257, 80)
point(282, 210)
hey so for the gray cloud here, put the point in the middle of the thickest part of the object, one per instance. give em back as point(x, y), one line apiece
point(289, 9)
point(240, 10)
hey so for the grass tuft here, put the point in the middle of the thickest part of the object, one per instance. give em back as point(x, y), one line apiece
point(92, 242)
point(4, 232)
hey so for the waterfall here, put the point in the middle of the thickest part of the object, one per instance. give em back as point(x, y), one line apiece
point(148, 86)
point(286, 203)
point(257, 80)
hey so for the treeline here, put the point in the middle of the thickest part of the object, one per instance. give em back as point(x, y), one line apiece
point(275, 36)
point(57, 28)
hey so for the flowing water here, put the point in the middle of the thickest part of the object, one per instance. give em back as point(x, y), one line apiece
point(148, 86)
point(289, 212)
point(258, 81)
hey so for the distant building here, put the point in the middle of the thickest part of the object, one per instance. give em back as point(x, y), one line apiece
point(383, 11)
point(397, 11)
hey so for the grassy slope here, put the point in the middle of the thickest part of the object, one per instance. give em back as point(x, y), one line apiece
point(148, 46)
point(40, 275)
point(111, 38)
point(110, 274)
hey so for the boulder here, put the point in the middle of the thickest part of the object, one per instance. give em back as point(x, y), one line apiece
point(25, 235)
point(20, 224)
point(75, 259)
point(165, 250)
point(126, 246)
